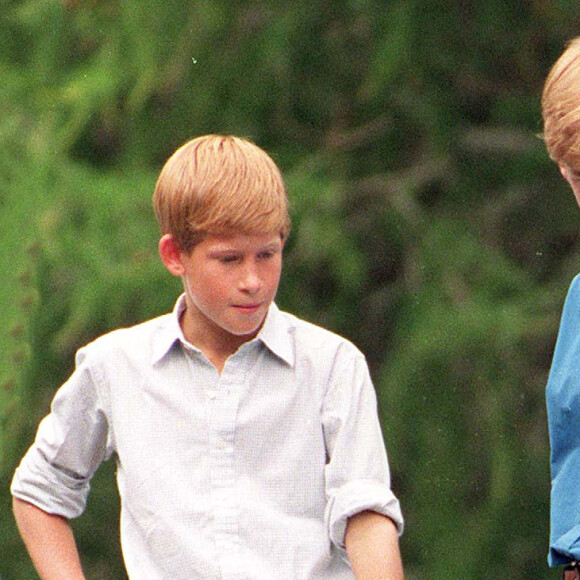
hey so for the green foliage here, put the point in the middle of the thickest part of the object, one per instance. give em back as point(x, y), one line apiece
point(456, 391)
point(429, 226)
point(17, 296)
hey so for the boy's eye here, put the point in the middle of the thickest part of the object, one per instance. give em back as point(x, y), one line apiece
point(228, 259)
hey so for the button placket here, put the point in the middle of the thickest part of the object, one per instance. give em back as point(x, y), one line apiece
point(223, 402)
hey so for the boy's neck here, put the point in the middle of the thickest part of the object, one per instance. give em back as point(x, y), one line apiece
point(216, 343)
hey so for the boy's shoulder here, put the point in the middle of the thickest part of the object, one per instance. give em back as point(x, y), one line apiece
point(315, 338)
point(319, 354)
point(141, 339)
point(574, 287)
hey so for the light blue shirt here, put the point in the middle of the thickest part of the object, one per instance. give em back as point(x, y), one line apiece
point(250, 474)
point(563, 403)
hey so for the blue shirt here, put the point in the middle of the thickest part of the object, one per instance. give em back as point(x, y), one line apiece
point(251, 474)
point(563, 404)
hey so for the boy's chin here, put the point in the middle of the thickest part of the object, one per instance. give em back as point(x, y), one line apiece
point(245, 331)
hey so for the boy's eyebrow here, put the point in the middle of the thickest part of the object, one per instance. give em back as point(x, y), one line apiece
point(218, 252)
point(275, 245)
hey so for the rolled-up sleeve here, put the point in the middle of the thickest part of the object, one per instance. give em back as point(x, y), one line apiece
point(70, 444)
point(357, 471)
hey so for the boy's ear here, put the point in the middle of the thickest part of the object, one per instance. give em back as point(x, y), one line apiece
point(171, 255)
point(563, 171)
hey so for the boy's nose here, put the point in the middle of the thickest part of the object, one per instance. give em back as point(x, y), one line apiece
point(250, 281)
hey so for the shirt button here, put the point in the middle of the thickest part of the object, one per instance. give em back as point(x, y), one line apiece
point(212, 395)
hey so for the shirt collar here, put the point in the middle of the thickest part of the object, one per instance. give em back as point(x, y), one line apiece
point(170, 332)
point(275, 334)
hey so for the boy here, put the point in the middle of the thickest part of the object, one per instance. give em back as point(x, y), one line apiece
point(561, 113)
point(246, 440)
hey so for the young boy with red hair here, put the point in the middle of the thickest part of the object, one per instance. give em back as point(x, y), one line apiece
point(247, 440)
point(561, 114)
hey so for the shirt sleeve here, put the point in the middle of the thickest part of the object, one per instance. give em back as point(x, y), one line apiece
point(357, 471)
point(70, 444)
point(563, 407)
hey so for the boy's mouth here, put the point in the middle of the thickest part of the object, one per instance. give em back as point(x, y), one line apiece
point(248, 308)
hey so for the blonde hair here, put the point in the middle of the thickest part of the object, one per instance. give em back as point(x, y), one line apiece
point(561, 108)
point(220, 184)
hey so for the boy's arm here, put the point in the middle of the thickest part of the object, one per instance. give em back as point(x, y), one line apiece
point(372, 547)
point(562, 399)
point(49, 541)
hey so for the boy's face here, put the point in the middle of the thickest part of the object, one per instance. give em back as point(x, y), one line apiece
point(230, 282)
point(573, 178)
